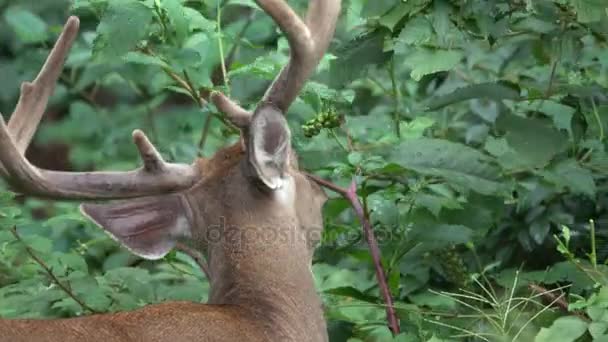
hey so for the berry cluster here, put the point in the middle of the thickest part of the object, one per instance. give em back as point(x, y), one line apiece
point(326, 119)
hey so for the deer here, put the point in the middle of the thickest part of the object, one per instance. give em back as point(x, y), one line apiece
point(249, 209)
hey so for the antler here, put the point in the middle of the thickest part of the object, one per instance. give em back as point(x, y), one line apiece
point(156, 176)
point(308, 41)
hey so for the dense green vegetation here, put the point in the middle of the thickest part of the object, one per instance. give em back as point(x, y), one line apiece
point(477, 133)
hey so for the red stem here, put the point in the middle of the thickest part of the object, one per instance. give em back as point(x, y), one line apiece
point(351, 195)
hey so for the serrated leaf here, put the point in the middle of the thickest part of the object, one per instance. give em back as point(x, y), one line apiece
point(417, 31)
point(426, 61)
point(570, 175)
point(361, 52)
point(491, 90)
point(456, 163)
point(403, 9)
point(262, 66)
point(122, 26)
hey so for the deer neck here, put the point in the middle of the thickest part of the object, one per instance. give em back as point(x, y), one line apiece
point(259, 256)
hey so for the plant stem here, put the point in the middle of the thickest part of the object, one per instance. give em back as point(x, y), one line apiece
point(397, 98)
point(593, 254)
point(351, 195)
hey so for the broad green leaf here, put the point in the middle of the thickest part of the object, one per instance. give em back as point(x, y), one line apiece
point(29, 27)
point(456, 163)
point(506, 156)
point(559, 113)
point(535, 141)
point(496, 91)
point(570, 175)
point(435, 203)
point(563, 329)
point(177, 16)
point(416, 32)
point(197, 21)
point(122, 26)
point(424, 61)
point(362, 52)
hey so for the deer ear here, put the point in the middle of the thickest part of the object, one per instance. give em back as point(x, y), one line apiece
point(149, 227)
point(268, 146)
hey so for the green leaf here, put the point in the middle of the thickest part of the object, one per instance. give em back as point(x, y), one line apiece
point(563, 329)
point(415, 128)
point(491, 90)
point(198, 21)
point(570, 175)
point(403, 9)
point(535, 141)
point(362, 51)
point(416, 32)
point(123, 25)
point(588, 11)
point(177, 16)
point(426, 61)
point(29, 27)
point(435, 203)
point(559, 113)
point(456, 163)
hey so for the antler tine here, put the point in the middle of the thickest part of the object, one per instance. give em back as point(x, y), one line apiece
point(307, 42)
point(156, 176)
point(239, 116)
point(35, 95)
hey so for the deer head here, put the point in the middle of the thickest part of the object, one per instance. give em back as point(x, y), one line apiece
point(249, 208)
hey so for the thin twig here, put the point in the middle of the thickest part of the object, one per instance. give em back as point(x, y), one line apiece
point(351, 195)
point(50, 274)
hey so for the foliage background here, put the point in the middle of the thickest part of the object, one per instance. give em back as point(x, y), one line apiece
point(476, 130)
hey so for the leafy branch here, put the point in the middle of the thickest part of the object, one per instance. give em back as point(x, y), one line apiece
point(50, 273)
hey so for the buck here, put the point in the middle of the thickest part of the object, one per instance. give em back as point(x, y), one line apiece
point(249, 209)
